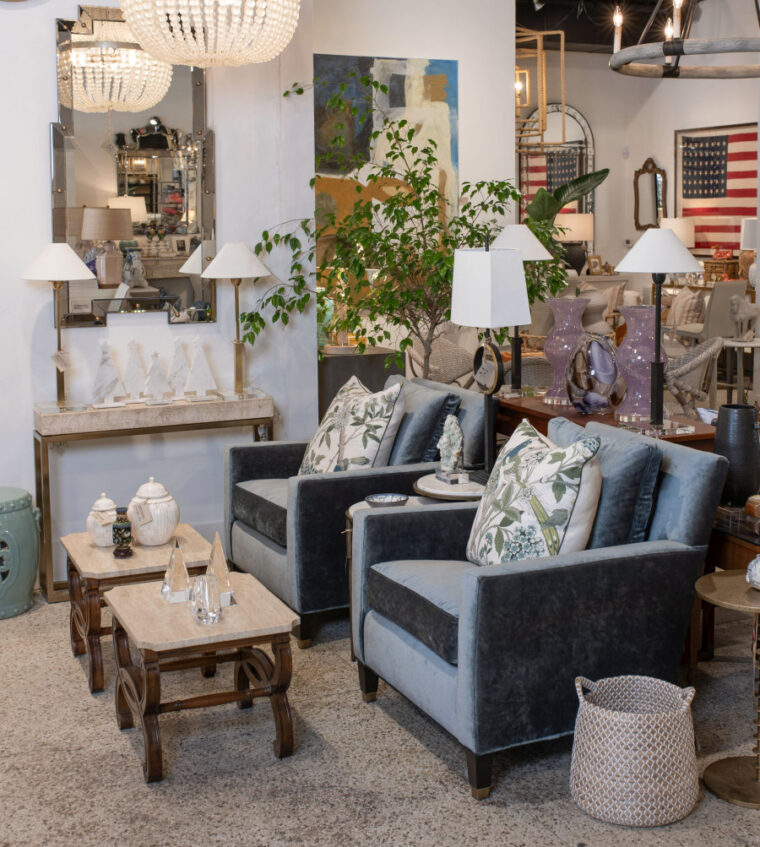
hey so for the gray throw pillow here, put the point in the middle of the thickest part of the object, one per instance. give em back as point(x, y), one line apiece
point(425, 411)
point(629, 478)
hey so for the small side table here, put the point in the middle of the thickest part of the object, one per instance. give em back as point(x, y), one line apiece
point(737, 778)
point(737, 347)
point(431, 486)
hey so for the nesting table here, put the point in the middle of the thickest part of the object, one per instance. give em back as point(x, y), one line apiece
point(92, 570)
point(737, 778)
point(166, 637)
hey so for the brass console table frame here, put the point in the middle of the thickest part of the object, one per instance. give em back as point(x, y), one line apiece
point(57, 590)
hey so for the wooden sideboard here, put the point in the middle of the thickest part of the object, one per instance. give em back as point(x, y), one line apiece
point(122, 422)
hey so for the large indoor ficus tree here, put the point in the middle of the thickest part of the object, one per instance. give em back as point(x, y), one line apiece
point(387, 265)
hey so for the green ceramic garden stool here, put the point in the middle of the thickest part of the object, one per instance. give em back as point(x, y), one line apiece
point(19, 550)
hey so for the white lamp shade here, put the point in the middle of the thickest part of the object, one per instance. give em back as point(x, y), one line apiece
point(659, 251)
point(136, 206)
point(519, 237)
point(57, 263)
point(194, 263)
point(749, 234)
point(235, 261)
point(577, 227)
point(489, 289)
point(682, 227)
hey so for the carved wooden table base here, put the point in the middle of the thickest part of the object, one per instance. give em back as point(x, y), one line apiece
point(138, 686)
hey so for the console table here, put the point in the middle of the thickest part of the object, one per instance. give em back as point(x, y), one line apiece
point(123, 422)
point(513, 410)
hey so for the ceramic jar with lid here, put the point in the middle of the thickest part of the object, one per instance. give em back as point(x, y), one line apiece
point(19, 550)
point(162, 510)
point(100, 521)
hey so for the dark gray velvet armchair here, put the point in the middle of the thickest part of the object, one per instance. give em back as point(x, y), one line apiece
point(491, 653)
point(288, 530)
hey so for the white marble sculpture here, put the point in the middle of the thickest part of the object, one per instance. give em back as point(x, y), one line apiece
point(217, 567)
point(134, 373)
point(178, 370)
point(176, 585)
point(156, 386)
point(107, 385)
point(451, 446)
point(200, 380)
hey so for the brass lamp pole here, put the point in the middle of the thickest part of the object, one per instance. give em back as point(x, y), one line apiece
point(236, 262)
point(59, 264)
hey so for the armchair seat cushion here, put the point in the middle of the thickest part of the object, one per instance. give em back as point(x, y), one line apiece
point(421, 597)
point(262, 504)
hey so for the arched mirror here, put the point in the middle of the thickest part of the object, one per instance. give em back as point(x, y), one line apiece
point(133, 176)
point(650, 188)
point(567, 152)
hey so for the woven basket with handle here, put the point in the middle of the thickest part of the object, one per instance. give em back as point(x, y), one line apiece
point(634, 761)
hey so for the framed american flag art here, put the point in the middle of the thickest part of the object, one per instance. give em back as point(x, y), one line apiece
point(716, 183)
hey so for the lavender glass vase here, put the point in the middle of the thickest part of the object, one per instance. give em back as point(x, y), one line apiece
point(635, 357)
point(560, 342)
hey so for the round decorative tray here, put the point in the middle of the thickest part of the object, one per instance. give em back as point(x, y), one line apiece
point(378, 500)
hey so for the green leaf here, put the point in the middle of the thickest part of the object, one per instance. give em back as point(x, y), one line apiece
point(557, 518)
point(579, 187)
point(558, 489)
point(543, 206)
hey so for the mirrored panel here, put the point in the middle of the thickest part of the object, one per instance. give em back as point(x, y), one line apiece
point(649, 195)
point(133, 176)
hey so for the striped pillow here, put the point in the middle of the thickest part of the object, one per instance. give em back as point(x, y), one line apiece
point(689, 310)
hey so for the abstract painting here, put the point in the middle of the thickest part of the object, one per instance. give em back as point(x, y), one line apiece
point(716, 183)
point(425, 92)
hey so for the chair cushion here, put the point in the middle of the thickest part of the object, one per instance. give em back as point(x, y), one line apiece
point(425, 411)
point(540, 499)
point(689, 310)
point(262, 504)
point(422, 597)
point(629, 479)
point(357, 430)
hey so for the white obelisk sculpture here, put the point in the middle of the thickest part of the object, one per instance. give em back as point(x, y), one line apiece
point(178, 370)
point(107, 385)
point(134, 373)
point(176, 586)
point(156, 387)
point(218, 567)
point(200, 380)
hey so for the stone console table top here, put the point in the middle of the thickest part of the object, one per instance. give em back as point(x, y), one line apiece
point(143, 416)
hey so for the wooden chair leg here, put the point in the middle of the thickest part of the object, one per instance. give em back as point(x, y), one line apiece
point(479, 771)
point(368, 681)
point(305, 631)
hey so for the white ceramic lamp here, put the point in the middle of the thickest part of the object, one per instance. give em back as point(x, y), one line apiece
point(108, 226)
point(236, 262)
point(576, 230)
point(519, 237)
point(659, 252)
point(58, 263)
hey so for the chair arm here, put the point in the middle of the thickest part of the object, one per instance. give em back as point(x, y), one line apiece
point(262, 460)
point(437, 531)
point(527, 629)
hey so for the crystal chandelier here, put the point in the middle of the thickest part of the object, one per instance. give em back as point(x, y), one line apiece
point(107, 71)
point(212, 32)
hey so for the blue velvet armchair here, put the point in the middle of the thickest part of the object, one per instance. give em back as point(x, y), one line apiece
point(491, 653)
point(288, 530)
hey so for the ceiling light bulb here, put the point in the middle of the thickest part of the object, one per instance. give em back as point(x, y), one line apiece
point(677, 4)
point(669, 30)
point(617, 18)
point(518, 86)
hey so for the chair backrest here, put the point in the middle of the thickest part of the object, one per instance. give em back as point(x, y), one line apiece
point(718, 320)
point(688, 489)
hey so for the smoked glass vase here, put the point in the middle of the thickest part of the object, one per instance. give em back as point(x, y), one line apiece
point(560, 343)
point(634, 358)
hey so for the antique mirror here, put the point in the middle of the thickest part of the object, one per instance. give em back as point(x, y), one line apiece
point(567, 152)
point(133, 175)
point(649, 196)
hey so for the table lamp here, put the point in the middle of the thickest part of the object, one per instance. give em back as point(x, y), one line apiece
point(108, 226)
point(489, 292)
point(519, 237)
point(136, 205)
point(58, 263)
point(578, 229)
point(659, 252)
point(236, 262)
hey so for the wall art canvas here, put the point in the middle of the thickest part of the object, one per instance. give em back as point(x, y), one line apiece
point(423, 91)
point(716, 183)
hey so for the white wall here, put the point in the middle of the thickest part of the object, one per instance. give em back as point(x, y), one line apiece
point(264, 163)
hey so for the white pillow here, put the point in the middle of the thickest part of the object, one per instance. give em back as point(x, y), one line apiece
point(540, 499)
point(357, 431)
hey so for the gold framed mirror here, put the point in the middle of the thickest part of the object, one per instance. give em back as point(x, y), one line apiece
point(650, 188)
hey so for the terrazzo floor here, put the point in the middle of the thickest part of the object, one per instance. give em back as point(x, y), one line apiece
point(362, 774)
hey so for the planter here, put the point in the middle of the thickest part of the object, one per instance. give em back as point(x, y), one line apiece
point(19, 551)
point(736, 439)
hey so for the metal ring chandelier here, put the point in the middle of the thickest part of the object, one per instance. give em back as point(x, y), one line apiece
point(203, 33)
point(102, 76)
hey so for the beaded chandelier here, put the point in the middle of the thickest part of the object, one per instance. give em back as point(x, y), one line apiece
point(202, 33)
point(107, 71)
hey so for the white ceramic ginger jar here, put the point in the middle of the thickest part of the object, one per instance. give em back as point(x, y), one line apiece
point(99, 522)
point(162, 509)
point(753, 572)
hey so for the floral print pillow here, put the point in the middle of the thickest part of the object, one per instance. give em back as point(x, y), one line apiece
point(357, 431)
point(540, 499)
